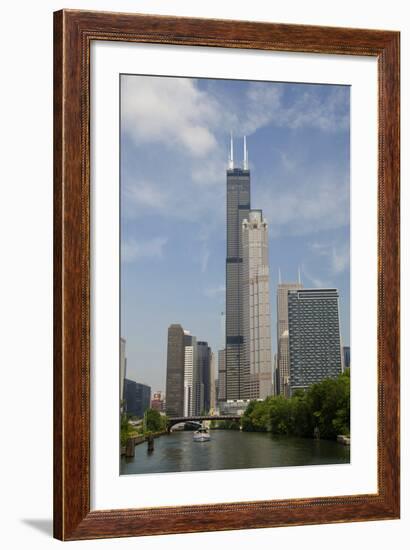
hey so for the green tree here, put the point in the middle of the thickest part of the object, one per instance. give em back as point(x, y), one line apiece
point(329, 404)
point(302, 417)
point(246, 419)
point(281, 415)
point(154, 421)
point(256, 417)
point(124, 429)
point(325, 405)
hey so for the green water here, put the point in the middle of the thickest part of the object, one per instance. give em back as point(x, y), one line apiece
point(230, 449)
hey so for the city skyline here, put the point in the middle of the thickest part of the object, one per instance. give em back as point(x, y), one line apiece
point(190, 374)
point(154, 227)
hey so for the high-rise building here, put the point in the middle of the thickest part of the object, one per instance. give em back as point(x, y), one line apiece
point(346, 357)
point(123, 369)
point(130, 397)
point(282, 364)
point(175, 371)
point(143, 400)
point(202, 381)
point(189, 377)
point(190, 371)
point(137, 398)
point(256, 304)
point(237, 210)
point(314, 336)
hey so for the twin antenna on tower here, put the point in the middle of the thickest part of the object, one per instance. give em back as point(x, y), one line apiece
point(299, 277)
point(245, 155)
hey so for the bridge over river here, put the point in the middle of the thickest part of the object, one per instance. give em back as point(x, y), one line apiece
point(199, 418)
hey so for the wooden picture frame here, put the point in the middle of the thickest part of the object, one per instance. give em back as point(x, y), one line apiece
point(73, 33)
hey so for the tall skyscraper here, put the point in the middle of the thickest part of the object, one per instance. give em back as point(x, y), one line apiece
point(189, 376)
point(202, 381)
point(282, 364)
point(237, 210)
point(175, 371)
point(190, 372)
point(314, 336)
point(256, 304)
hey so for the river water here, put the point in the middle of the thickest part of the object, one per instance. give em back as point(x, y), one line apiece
point(229, 449)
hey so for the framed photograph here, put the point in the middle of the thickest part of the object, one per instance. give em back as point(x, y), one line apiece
point(226, 275)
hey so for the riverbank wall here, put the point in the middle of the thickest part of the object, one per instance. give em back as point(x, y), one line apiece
point(138, 439)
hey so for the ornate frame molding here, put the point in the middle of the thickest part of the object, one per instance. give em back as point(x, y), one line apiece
point(73, 33)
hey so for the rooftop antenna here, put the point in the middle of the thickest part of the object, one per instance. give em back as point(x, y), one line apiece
point(245, 154)
point(280, 277)
point(299, 277)
point(230, 161)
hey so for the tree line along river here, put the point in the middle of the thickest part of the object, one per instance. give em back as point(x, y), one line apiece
point(231, 449)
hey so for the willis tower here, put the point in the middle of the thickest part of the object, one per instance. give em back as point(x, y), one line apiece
point(237, 210)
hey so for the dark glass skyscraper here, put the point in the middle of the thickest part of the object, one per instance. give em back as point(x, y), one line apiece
point(175, 371)
point(237, 210)
point(202, 401)
point(137, 398)
point(130, 397)
point(143, 399)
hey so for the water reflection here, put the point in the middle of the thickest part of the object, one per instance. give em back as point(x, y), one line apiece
point(229, 449)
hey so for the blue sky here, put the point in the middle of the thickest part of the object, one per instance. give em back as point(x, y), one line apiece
point(174, 150)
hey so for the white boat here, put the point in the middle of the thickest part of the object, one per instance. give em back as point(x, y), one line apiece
point(202, 435)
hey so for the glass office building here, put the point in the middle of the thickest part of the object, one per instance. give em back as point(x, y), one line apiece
point(314, 336)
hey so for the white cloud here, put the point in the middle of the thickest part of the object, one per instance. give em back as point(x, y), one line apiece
point(171, 111)
point(267, 105)
point(176, 113)
point(133, 250)
point(310, 111)
point(264, 102)
point(316, 204)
